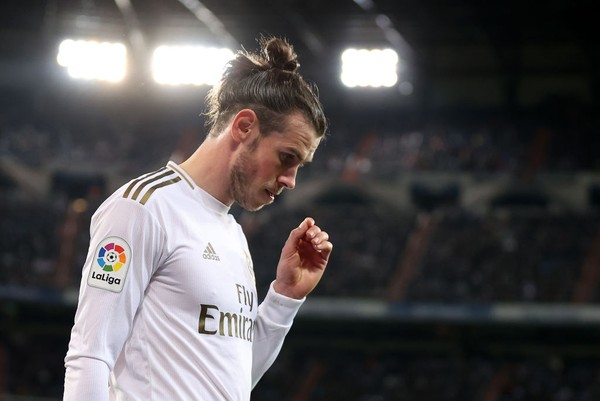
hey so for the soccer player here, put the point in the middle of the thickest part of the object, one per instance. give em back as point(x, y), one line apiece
point(167, 304)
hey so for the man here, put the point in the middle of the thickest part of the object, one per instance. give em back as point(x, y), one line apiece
point(168, 305)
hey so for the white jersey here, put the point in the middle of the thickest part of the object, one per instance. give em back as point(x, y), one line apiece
point(168, 304)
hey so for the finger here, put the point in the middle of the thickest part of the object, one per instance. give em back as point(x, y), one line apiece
point(300, 231)
point(320, 237)
point(297, 234)
point(312, 232)
point(309, 221)
point(324, 249)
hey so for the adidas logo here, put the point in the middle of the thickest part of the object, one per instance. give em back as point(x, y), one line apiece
point(210, 254)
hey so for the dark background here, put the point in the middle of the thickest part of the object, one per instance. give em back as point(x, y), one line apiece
point(462, 202)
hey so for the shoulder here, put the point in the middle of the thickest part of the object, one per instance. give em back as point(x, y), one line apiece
point(147, 195)
point(145, 187)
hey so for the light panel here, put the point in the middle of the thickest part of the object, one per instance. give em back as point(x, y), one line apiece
point(92, 60)
point(369, 68)
point(189, 65)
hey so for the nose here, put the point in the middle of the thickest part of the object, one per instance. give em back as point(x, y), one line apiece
point(287, 178)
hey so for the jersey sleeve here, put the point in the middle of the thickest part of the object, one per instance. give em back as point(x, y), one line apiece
point(275, 316)
point(126, 246)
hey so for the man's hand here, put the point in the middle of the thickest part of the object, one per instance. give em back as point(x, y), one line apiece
point(303, 260)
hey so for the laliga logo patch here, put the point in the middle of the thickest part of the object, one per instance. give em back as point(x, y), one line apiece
point(111, 257)
point(109, 269)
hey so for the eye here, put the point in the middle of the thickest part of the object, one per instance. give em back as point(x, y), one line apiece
point(288, 159)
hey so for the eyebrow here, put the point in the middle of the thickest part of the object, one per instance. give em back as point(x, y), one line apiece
point(303, 160)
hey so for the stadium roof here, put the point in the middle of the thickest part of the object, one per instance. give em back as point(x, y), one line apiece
point(457, 48)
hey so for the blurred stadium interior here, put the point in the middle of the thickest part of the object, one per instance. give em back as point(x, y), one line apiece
point(463, 203)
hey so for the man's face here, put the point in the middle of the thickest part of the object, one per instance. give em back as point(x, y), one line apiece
point(268, 165)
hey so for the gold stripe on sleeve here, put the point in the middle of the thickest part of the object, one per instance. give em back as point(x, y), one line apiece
point(134, 182)
point(157, 186)
point(150, 181)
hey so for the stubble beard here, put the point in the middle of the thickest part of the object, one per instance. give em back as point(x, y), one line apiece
point(239, 181)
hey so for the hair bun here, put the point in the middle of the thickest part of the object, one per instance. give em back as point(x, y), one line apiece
point(280, 54)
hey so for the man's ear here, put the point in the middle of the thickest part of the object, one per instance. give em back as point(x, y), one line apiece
point(242, 125)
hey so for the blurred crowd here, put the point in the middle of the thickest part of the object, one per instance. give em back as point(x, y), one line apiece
point(441, 255)
point(467, 256)
point(460, 143)
point(506, 256)
point(396, 375)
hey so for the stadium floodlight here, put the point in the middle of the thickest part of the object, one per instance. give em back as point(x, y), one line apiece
point(189, 65)
point(369, 68)
point(92, 60)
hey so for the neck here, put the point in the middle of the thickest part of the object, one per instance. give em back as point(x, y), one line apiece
point(208, 166)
